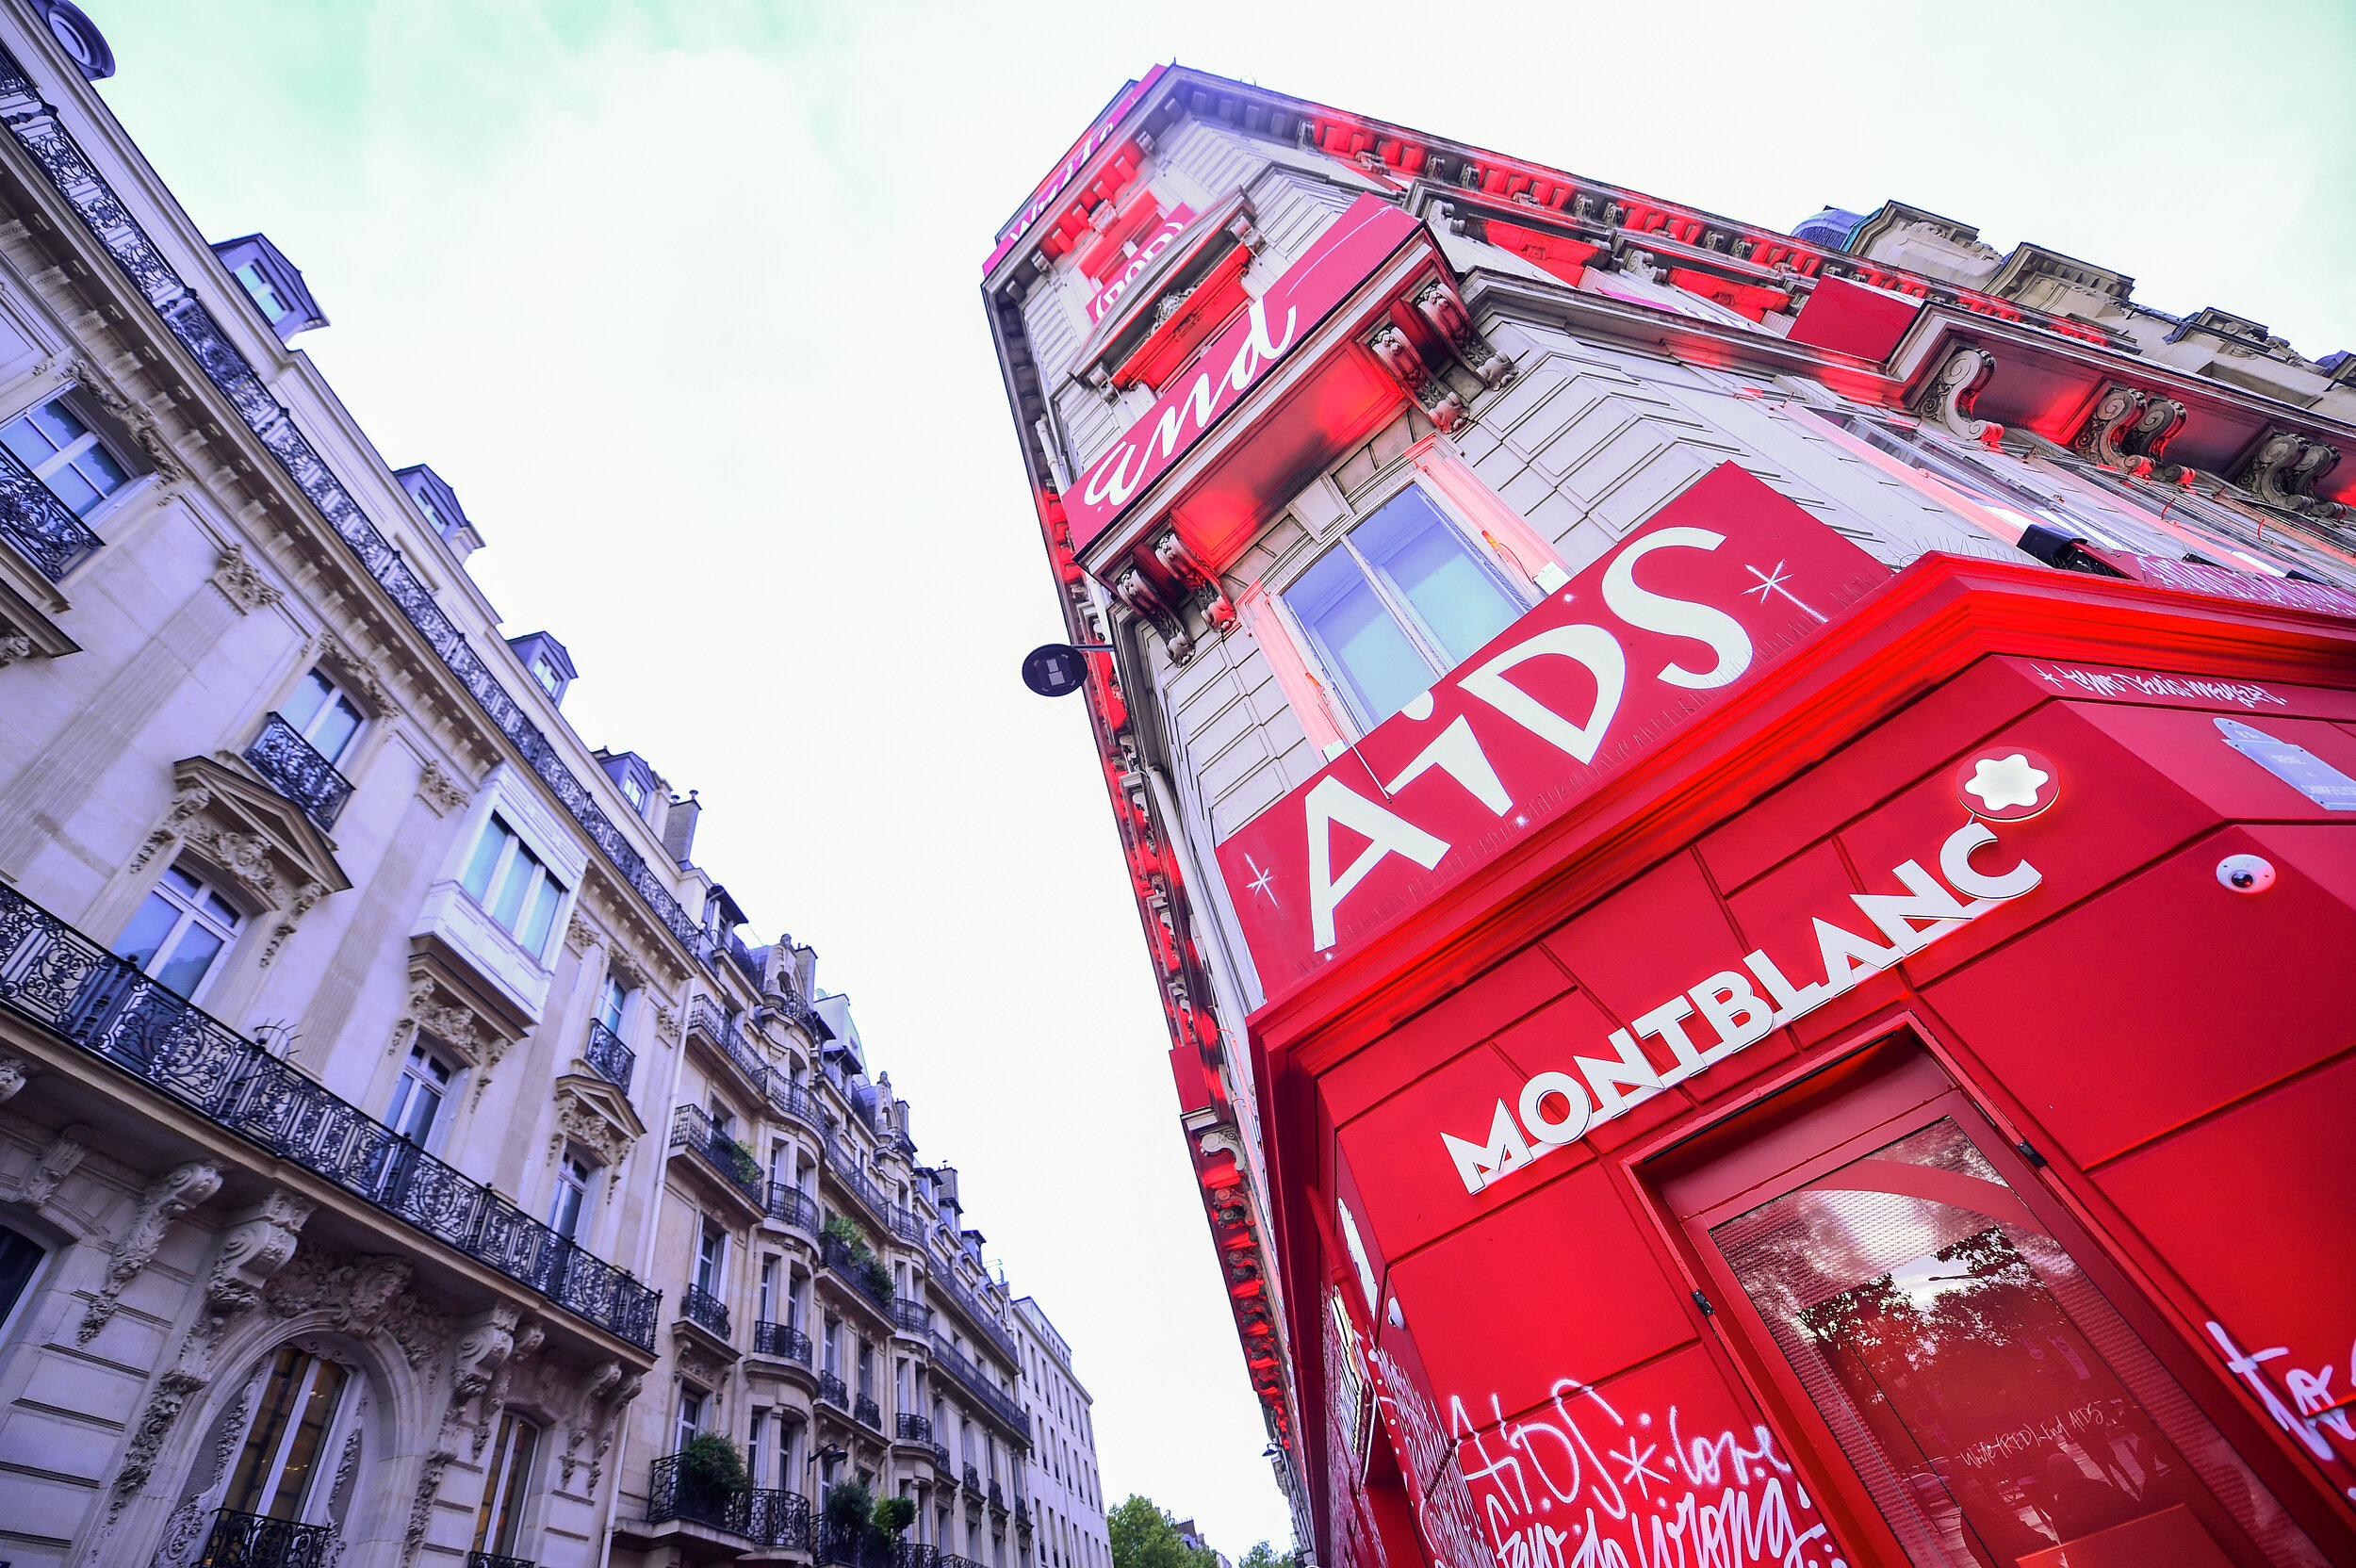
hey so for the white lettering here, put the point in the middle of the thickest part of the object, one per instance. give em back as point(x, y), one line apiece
point(1457, 752)
point(1331, 801)
point(1791, 1000)
point(1537, 1091)
point(1894, 913)
point(1504, 1154)
point(1592, 646)
point(1662, 1024)
point(1631, 1069)
point(1849, 957)
point(1955, 864)
point(1735, 1010)
point(1653, 611)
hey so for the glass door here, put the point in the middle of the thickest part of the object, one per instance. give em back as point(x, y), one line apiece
point(1992, 1401)
point(281, 1463)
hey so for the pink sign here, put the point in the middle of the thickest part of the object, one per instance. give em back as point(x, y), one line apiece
point(1716, 588)
point(1073, 161)
point(1109, 290)
point(1346, 255)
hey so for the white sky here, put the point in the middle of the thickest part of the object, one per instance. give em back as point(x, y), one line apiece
point(682, 298)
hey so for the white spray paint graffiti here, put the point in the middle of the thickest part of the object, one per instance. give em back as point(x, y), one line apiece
point(1584, 1486)
point(2320, 1415)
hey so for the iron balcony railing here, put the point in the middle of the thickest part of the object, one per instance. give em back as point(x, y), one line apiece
point(496, 1560)
point(39, 525)
point(997, 1497)
point(856, 1545)
point(782, 1341)
point(608, 1058)
point(1022, 1513)
point(692, 1128)
point(948, 1358)
point(844, 1166)
point(58, 977)
point(905, 1225)
point(913, 1428)
point(944, 1278)
point(705, 1310)
point(763, 1516)
point(867, 1412)
point(972, 1481)
point(941, 1458)
point(793, 1100)
point(830, 1389)
point(866, 1276)
point(293, 767)
point(912, 1317)
point(250, 1541)
point(728, 1034)
point(951, 1560)
point(792, 1206)
point(747, 965)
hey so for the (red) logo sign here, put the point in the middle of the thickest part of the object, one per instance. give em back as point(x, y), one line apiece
point(1719, 586)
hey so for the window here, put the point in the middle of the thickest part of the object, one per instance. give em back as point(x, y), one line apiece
point(634, 791)
point(544, 670)
point(573, 1176)
point(425, 1080)
point(282, 1456)
point(787, 1431)
point(178, 933)
point(768, 1290)
point(691, 1417)
point(754, 1447)
point(498, 1524)
point(322, 715)
point(513, 887)
point(1401, 601)
point(265, 297)
point(711, 1256)
point(866, 1370)
point(19, 1257)
point(64, 454)
point(612, 1001)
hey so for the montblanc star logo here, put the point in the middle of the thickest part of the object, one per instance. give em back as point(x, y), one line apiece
point(2006, 784)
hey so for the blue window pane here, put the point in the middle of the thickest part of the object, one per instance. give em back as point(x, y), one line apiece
point(77, 493)
point(486, 858)
point(509, 908)
point(147, 930)
point(535, 934)
point(308, 698)
point(25, 439)
point(1433, 568)
point(190, 957)
point(100, 471)
point(58, 424)
point(334, 730)
point(1377, 668)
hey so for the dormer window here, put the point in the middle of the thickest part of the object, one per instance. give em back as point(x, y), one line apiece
point(272, 283)
point(545, 660)
point(264, 295)
point(544, 671)
point(634, 791)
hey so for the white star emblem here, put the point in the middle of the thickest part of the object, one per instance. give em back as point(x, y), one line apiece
point(2002, 781)
point(1260, 885)
point(1772, 583)
point(1636, 1468)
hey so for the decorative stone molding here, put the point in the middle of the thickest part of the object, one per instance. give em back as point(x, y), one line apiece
point(13, 646)
point(602, 1380)
point(1405, 361)
point(255, 835)
point(1181, 564)
point(135, 419)
point(184, 1532)
point(667, 1025)
point(1136, 589)
point(439, 790)
point(2284, 470)
point(14, 1070)
point(579, 935)
point(1222, 1140)
point(356, 673)
point(598, 1116)
point(167, 1198)
point(438, 1007)
point(1947, 401)
point(241, 584)
point(185, 803)
point(529, 1338)
point(362, 1296)
point(1439, 304)
point(610, 1423)
point(54, 1163)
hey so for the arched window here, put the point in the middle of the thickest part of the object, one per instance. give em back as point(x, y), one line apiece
point(506, 1487)
point(278, 1471)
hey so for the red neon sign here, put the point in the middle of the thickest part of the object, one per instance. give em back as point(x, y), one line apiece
point(1073, 161)
point(1695, 606)
point(1348, 254)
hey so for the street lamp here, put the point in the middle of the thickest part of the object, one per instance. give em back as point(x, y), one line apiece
point(826, 1455)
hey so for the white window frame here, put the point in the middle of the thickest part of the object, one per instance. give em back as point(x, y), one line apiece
point(544, 673)
point(422, 1050)
point(495, 882)
point(691, 1416)
point(584, 1185)
point(336, 693)
point(89, 438)
point(192, 913)
point(450, 915)
point(250, 277)
point(712, 1260)
point(613, 998)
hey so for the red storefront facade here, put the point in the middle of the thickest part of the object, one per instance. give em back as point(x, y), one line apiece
point(1795, 1038)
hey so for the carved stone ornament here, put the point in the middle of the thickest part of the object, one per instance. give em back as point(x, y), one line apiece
point(1136, 589)
point(610, 1423)
point(241, 584)
point(356, 673)
point(167, 1198)
point(587, 1409)
point(667, 1025)
point(13, 1072)
point(593, 1113)
point(1439, 305)
point(579, 935)
point(362, 1296)
point(1405, 361)
point(2284, 469)
point(2129, 431)
point(257, 837)
point(13, 646)
point(54, 1163)
point(136, 422)
point(441, 792)
point(529, 1336)
point(1181, 564)
point(1947, 401)
point(433, 1009)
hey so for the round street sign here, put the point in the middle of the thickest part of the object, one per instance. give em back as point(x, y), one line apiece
point(1054, 669)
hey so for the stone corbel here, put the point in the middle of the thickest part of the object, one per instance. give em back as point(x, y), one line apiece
point(2148, 438)
point(1246, 234)
point(357, 673)
point(1136, 589)
point(588, 1403)
point(610, 1423)
point(2283, 472)
point(2119, 410)
point(529, 1336)
point(241, 584)
point(14, 1070)
point(1180, 563)
point(1947, 401)
point(56, 1161)
point(1405, 361)
point(439, 790)
point(167, 1198)
point(1439, 305)
point(438, 1007)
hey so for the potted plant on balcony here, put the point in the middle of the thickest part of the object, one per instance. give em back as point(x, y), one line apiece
point(848, 1515)
point(890, 1520)
point(709, 1469)
point(741, 1162)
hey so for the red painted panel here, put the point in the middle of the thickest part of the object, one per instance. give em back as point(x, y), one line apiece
point(2244, 698)
point(1681, 931)
point(1571, 1245)
point(1413, 1194)
point(2190, 748)
point(1519, 986)
point(1850, 319)
point(2161, 1000)
point(1073, 161)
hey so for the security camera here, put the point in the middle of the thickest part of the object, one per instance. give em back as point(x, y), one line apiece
point(2246, 874)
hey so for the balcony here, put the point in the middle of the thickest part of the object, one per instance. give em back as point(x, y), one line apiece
point(867, 1412)
point(911, 1317)
point(792, 1098)
point(948, 1358)
point(608, 1058)
point(905, 1225)
point(856, 1548)
point(831, 1391)
point(945, 1280)
point(997, 1498)
point(692, 1128)
point(913, 1428)
point(60, 978)
point(781, 1342)
point(250, 1541)
point(864, 1275)
point(727, 1036)
point(763, 1516)
point(43, 528)
point(791, 1205)
point(289, 764)
point(843, 1167)
point(494, 1560)
point(705, 1310)
point(972, 1481)
point(940, 1459)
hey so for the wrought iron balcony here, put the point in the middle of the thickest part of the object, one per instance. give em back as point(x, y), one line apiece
point(1022, 1513)
point(944, 1279)
point(972, 1481)
point(948, 1358)
point(728, 1036)
point(705, 1310)
point(290, 764)
point(39, 525)
point(867, 1412)
point(781, 1341)
point(905, 1225)
point(997, 1497)
point(795, 1208)
point(692, 1128)
point(494, 1560)
point(250, 1541)
point(608, 1058)
point(912, 1317)
point(60, 978)
point(763, 1516)
point(865, 1276)
point(830, 1389)
point(793, 1100)
point(913, 1428)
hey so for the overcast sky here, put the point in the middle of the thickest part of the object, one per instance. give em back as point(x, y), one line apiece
point(683, 299)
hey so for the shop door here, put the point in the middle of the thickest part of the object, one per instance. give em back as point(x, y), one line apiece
point(1902, 1277)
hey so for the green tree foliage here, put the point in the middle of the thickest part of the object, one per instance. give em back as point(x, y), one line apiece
point(895, 1514)
point(709, 1466)
point(1144, 1536)
point(1264, 1556)
point(849, 1507)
